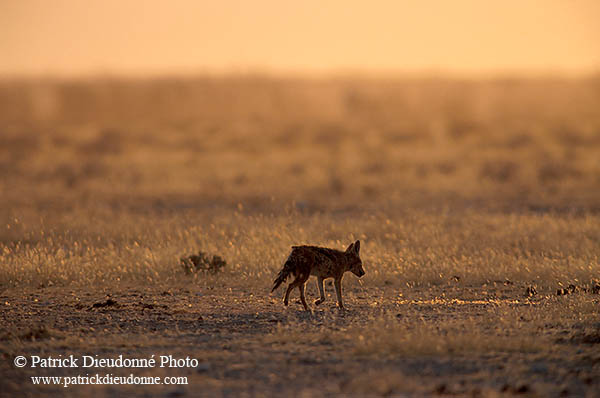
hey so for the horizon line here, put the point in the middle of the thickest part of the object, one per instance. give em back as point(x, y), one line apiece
point(333, 73)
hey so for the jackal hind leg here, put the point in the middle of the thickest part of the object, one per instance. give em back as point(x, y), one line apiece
point(321, 291)
point(300, 279)
point(287, 294)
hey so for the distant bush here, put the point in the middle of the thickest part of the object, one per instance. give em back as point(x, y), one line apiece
point(499, 170)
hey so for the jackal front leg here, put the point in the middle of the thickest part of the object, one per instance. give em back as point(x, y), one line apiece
point(321, 291)
point(338, 291)
point(301, 288)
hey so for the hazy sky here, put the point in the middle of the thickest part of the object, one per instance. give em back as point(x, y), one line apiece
point(464, 36)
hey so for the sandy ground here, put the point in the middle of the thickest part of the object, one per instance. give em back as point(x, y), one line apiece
point(247, 344)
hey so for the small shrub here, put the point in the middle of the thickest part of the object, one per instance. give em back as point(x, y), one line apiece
point(202, 262)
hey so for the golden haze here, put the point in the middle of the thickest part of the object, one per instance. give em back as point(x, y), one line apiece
point(153, 37)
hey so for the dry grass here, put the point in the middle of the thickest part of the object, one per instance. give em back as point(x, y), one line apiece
point(417, 248)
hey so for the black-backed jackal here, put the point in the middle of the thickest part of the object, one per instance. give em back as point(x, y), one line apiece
point(323, 263)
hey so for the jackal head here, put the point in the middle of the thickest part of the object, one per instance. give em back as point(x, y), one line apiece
point(355, 262)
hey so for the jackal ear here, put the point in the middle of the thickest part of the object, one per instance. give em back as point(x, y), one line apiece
point(357, 247)
point(350, 248)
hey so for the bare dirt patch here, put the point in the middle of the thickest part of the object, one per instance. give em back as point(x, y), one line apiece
point(446, 340)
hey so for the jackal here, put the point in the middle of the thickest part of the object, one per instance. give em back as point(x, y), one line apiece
point(323, 263)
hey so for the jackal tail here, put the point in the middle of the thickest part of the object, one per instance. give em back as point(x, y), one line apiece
point(285, 272)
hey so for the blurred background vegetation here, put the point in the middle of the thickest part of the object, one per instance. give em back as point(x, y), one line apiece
point(522, 142)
